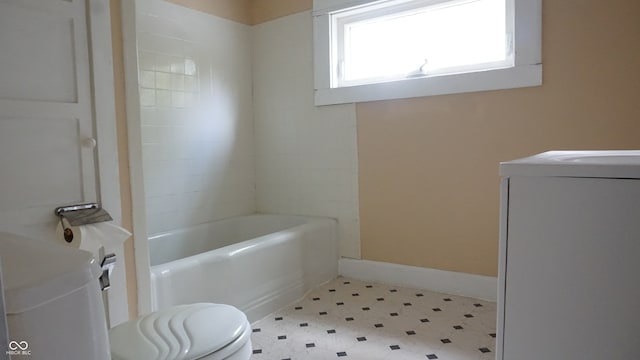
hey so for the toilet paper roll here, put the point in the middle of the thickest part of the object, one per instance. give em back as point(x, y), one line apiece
point(92, 236)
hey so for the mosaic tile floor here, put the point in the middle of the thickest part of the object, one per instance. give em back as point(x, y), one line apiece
point(351, 319)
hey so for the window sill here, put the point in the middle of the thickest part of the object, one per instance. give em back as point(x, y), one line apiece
point(507, 78)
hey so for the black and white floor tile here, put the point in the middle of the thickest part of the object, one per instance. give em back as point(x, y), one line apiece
point(351, 319)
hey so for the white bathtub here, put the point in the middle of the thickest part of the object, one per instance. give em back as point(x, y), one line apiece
point(258, 263)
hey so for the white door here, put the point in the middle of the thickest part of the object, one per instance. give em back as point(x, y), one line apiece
point(47, 158)
point(56, 103)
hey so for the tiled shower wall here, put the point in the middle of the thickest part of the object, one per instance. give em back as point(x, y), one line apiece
point(205, 133)
point(196, 115)
point(306, 156)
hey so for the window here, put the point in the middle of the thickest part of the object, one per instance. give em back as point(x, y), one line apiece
point(419, 39)
point(373, 50)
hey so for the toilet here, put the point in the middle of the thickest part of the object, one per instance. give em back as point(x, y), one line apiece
point(55, 311)
point(196, 331)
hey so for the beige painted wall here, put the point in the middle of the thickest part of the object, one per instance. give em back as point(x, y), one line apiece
point(249, 12)
point(236, 10)
point(267, 10)
point(429, 184)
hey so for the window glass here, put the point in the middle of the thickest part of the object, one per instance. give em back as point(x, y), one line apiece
point(454, 36)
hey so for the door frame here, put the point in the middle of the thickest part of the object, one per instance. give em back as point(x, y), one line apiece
point(104, 114)
point(138, 211)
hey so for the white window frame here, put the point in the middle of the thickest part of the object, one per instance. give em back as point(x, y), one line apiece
point(526, 71)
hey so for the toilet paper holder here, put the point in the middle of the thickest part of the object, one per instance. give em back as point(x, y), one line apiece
point(84, 214)
point(81, 214)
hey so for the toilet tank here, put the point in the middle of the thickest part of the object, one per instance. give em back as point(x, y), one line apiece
point(53, 301)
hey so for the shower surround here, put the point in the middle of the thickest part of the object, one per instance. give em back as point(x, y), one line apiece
point(194, 75)
point(229, 126)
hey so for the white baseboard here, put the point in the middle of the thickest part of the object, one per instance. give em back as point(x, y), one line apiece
point(448, 282)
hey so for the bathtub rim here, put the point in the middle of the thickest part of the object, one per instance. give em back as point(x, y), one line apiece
point(237, 247)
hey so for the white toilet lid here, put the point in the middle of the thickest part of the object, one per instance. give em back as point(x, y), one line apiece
point(183, 332)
